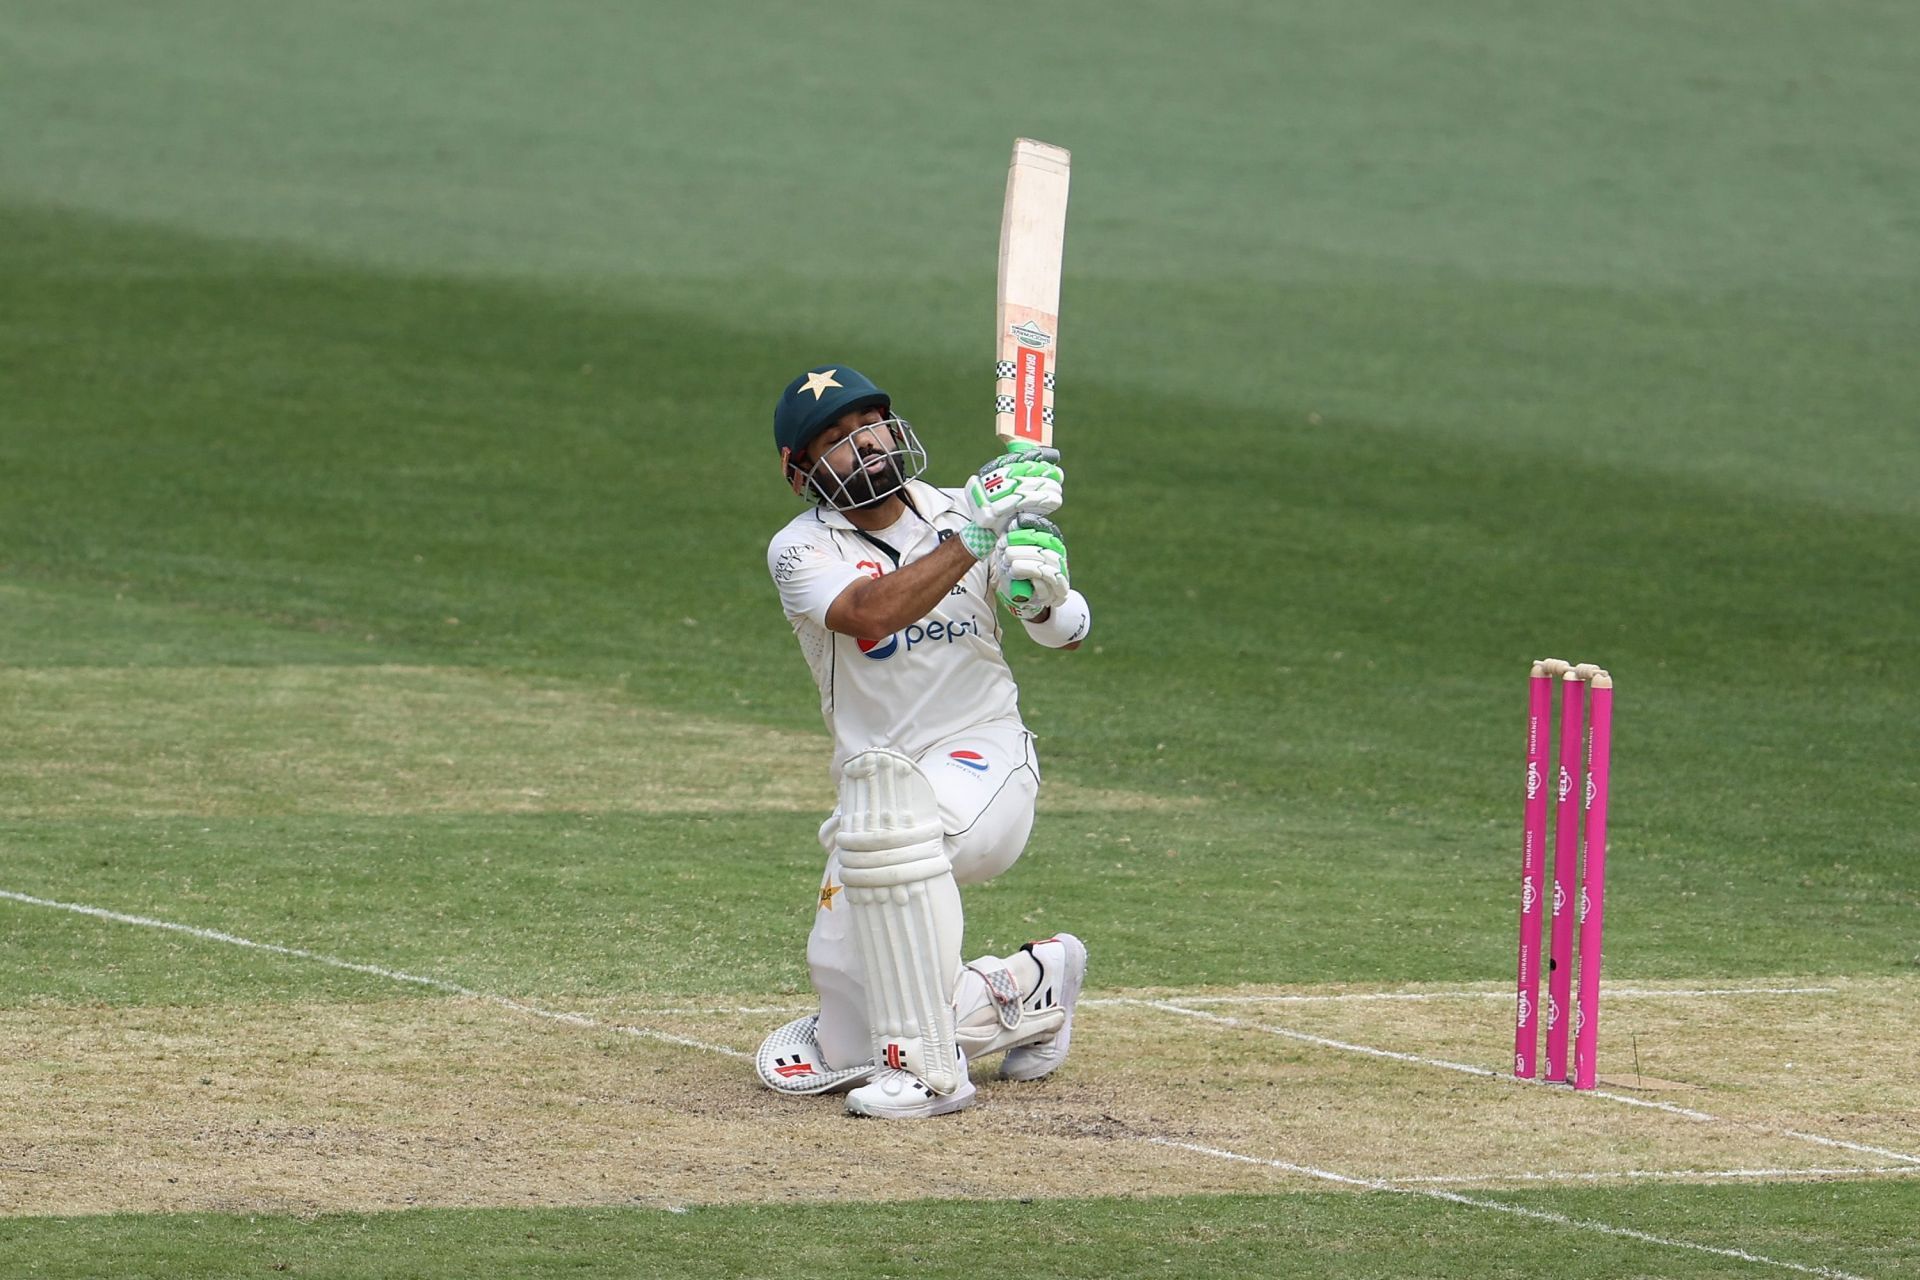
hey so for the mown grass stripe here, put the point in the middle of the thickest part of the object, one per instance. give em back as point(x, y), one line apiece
point(1537, 1215)
point(1648, 1175)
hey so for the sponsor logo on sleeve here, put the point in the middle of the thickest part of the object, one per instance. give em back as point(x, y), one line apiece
point(789, 561)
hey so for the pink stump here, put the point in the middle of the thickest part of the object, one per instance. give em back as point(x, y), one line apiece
point(1593, 888)
point(1533, 873)
point(1566, 868)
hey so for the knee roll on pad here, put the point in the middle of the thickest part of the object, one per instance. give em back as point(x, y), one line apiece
point(906, 914)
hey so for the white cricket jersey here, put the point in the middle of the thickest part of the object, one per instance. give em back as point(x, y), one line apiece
point(907, 691)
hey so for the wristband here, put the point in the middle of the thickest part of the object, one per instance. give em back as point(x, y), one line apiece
point(979, 541)
point(1067, 624)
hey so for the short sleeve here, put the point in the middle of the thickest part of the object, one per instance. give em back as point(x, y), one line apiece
point(810, 577)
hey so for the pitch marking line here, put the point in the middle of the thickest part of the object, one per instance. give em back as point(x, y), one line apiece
point(1469, 1069)
point(394, 975)
point(1611, 994)
point(1675, 1175)
point(1497, 1206)
point(724, 1010)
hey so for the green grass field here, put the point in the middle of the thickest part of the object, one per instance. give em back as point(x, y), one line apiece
point(385, 477)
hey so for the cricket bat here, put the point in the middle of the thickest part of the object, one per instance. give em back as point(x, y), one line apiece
point(1033, 234)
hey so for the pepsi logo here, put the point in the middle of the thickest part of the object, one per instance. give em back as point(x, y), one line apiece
point(970, 759)
point(880, 650)
point(920, 633)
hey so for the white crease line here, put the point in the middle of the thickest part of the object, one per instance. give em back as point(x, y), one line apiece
point(1654, 1175)
point(721, 1010)
point(1519, 1211)
point(394, 975)
point(1468, 1069)
point(1417, 1059)
point(1861, 1147)
point(1610, 993)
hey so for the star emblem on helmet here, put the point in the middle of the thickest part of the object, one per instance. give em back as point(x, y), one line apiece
point(819, 382)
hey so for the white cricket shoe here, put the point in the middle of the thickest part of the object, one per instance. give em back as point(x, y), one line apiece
point(1063, 968)
point(902, 1095)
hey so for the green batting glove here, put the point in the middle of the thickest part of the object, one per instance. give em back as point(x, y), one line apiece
point(1021, 481)
point(1032, 562)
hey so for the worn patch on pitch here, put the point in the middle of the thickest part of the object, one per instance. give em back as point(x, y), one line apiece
point(370, 740)
point(313, 1107)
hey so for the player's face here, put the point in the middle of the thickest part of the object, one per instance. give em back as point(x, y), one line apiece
point(863, 459)
point(862, 440)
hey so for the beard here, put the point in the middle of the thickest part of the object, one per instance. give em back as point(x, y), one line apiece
point(869, 487)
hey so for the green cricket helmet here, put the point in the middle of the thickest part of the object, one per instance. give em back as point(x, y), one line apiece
point(815, 401)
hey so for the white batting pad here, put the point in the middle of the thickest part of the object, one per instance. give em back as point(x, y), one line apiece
point(906, 914)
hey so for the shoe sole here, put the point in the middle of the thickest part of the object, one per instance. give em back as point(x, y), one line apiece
point(958, 1100)
point(1062, 1038)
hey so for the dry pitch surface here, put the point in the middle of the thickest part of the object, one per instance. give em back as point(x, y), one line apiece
point(462, 1101)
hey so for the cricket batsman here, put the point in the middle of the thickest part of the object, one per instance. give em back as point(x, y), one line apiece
point(889, 584)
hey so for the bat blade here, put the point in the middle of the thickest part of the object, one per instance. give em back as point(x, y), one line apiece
point(1033, 233)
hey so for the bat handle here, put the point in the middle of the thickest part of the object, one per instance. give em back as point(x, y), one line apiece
point(1019, 590)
